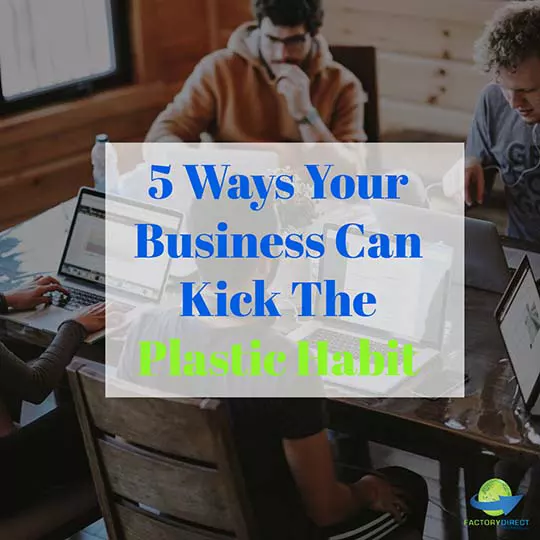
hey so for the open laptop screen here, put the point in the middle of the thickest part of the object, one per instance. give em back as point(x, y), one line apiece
point(411, 294)
point(518, 315)
point(85, 253)
point(84, 257)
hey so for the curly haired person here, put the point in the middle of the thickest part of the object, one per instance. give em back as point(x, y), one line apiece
point(504, 133)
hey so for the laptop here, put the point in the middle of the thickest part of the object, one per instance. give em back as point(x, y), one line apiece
point(485, 263)
point(408, 317)
point(81, 268)
point(518, 318)
point(486, 267)
point(515, 248)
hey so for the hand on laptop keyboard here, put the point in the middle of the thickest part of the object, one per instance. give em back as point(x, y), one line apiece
point(34, 294)
point(75, 299)
point(93, 318)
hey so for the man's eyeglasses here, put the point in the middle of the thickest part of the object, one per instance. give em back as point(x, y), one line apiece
point(291, 43)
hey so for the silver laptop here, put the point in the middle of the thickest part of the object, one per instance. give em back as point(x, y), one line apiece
point(486, 267)
point(518, 318)
point(82, 267)
point(417, 300)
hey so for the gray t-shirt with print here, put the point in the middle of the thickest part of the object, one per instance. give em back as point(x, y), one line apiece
point(500, 138)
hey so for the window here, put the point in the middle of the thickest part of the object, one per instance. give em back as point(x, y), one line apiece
point(53, 50)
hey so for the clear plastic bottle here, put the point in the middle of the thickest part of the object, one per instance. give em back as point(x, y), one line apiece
point(104, 165)
point(98, 161)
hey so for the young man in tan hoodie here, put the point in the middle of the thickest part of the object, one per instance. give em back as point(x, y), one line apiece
point(275, 82)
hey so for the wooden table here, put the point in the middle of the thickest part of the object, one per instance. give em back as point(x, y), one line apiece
point(487, 418)
point(470, 432)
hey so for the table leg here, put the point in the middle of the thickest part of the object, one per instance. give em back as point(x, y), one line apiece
point(476, 473)
point(450, 501)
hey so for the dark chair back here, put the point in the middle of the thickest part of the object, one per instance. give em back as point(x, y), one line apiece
point(164, 469)
point(362, 61)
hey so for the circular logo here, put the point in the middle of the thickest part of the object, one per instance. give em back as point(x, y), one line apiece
point(492, 491)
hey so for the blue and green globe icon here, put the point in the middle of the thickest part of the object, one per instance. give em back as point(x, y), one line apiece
point(492, 491)
point(495, 498)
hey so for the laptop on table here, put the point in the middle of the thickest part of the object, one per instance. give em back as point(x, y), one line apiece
point(421, 324)
point(485, 265)
point(518, 318)
point(515, 248)
point(82, 269)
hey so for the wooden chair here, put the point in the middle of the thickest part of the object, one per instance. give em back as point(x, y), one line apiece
point(362, 61)
point(163, 469)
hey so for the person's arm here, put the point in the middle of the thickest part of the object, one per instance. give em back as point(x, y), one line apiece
point(348, 118)
point(326, 500)
point(478, 154)
point(478, 145)
point(313, 129)
point(192, 110)
point(308, 452)
point(34, 382)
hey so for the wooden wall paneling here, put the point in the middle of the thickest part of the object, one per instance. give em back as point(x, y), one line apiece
point(441, 83)
point(36, 152)
point(145, 39)
point(169, 37)
point(184, 37)
point(45, 154)
point(403, 34)
point(231, 15)
point(33, 191)
point(57, 119)
point(463, 11)
point(213, 22)
point(401, 115)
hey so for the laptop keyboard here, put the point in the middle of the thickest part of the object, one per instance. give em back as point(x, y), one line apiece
point(77, 299)
point(345, 342)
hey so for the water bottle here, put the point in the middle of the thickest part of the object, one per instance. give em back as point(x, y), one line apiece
point(98, 161)
point(105, 165)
